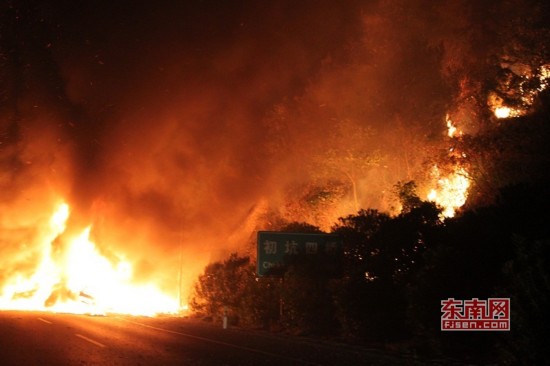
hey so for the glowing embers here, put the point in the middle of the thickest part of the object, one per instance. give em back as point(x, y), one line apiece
point(501, 111)
point(451, 190)
point(525, 91)
point(73, 276)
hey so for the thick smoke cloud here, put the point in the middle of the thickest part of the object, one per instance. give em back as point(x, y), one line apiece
point(146, 118)
point(169, 102)
point(167, 125)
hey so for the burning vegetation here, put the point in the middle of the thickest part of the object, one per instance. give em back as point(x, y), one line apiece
point(139, 145)
point(72, 276)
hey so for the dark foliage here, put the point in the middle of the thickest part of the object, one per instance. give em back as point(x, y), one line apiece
point(479, 256)
point(528, 283)
point(230, 288)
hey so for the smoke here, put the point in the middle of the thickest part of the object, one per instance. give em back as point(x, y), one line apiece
point(169, 125)
point(147, 119)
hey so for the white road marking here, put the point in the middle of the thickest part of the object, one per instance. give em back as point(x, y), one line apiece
point(90, 340)
point(45, 321)
point(270, 354)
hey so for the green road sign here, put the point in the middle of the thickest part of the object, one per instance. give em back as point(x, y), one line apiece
point(277, 250)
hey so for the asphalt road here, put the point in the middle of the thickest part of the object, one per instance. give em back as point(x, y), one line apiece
point(41, 339)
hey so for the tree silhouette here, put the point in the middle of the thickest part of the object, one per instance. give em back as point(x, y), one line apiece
point(346, 154)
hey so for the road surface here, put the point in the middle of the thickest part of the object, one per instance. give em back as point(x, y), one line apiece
point(41, 339)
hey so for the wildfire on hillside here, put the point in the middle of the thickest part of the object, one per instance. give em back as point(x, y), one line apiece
point(199, 126)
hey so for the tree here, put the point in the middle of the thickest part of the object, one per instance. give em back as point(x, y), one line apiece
point(508, 154)
point(381, 253)
point(522, 54)
point(406, 192)
point(231, 287)
point(347, 155)
point(528, 286)
point(308, 306)
point(220, 289)
point(314, 202)
point(487, 252)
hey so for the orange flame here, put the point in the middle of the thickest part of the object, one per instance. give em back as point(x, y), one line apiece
point(81, 280)
point(500, 110)
point(451, 191)
point(452, 130)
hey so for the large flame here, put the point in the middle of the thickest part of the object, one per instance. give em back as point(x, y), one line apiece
point(451, 190)
point(79, 279)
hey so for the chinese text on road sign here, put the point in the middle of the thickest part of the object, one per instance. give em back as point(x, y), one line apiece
point(278, 250)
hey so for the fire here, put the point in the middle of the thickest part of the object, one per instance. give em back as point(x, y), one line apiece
point(452, 130)
point(451, 191)
point(79, 279)
point(527, 95)
point(499, 109)
point(503, 112)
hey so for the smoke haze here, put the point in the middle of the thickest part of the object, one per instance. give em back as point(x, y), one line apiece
point(172, 126)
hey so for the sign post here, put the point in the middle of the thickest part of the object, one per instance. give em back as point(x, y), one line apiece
point(277, 250)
